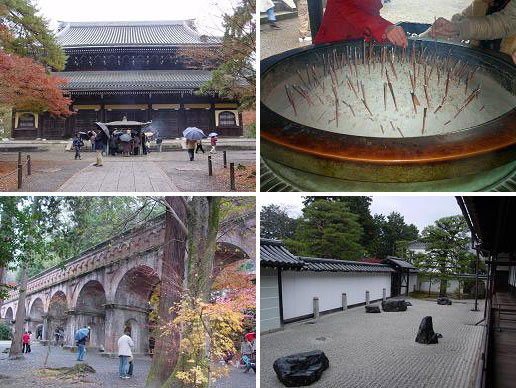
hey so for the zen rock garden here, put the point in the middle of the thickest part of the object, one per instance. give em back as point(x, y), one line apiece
point(301, 369)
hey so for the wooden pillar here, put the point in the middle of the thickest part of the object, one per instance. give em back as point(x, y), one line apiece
point(212, 118)
point(367, 298)
point(181, 119)
point(13, 120)
point(344, 301)
point(384, 294)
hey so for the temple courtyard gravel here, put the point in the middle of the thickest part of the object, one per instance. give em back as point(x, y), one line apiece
point(379, 350)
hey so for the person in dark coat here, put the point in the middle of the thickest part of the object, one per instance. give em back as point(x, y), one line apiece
point(199, 147)
point(100, 144)
point(77, 143)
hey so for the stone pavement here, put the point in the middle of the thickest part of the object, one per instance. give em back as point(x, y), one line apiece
point(22, 373)
point(379, 350)
point(52, 169)
point(128, 174)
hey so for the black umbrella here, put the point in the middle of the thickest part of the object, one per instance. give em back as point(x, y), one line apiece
point(104, 129)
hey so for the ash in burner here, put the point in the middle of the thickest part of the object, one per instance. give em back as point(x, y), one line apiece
point(388, 93)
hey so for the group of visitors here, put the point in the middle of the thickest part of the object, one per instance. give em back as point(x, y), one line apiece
point(125, 345)
point(248, 352)
point(26, 340)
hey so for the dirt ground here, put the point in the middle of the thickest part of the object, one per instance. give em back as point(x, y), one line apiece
point(421, 11)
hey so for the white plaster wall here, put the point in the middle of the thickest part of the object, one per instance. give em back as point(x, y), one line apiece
point(413, 282)
point(269, 300)
point(299, 289)
point(453, 285)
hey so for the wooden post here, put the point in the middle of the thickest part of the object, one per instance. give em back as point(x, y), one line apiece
point(20, 173)
point(19, 157)
point(232, 175)
point(344, 301)
point(384, 295)
point(28, 165)
point(367, 298)
point(210, 171)
point(225, 160)
point(316, 307)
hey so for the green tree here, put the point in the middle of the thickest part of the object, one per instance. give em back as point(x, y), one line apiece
point(447, 249)
point(275, 223)
point(390, 230)
point(360, 206)
point(235, 76)
point(24, 33)
point(328, 229)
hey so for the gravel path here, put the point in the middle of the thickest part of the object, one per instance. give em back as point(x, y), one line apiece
point(379, 351)
point(22, 373)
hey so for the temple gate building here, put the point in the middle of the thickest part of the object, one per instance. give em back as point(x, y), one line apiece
point(137, 70)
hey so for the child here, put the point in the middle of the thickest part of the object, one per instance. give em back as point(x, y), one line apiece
point(77, 144)
point(213, 144)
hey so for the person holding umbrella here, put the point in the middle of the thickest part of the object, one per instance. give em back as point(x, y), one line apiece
point(127, 139)
point(81, 336)
point(192, 135)
point(100, 143)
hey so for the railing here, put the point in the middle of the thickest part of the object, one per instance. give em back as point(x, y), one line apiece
point(19, 170)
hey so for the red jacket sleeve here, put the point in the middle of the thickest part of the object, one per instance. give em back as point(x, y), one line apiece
point(364, 14)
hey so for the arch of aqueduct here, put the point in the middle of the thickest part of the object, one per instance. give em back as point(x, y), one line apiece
point(109, 285)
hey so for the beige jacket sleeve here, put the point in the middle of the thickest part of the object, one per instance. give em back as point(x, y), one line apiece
point(495, 26)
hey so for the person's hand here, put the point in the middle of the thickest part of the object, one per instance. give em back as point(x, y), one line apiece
point(443, 27)
point(396, 35)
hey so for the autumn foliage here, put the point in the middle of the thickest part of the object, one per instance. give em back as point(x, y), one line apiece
point(26, 85)
point(213, 328)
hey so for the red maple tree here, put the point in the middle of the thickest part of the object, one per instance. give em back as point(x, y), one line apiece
point(26, 85)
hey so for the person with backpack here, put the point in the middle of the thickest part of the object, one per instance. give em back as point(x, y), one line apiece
point(125, 343)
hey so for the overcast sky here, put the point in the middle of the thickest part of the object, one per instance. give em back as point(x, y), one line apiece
point(418, 210)
point(206, 12)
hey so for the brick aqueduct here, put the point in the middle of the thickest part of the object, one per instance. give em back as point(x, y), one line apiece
point(108, 286)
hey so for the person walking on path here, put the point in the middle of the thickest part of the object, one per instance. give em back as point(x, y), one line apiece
point(268, 7)
point(81, 336)
point(125, 343)
point(100, 144)
point(77, 144)
point(199, 147)
point(26, 342)
point(190, 147)
point(213, 142)
point(302, 21)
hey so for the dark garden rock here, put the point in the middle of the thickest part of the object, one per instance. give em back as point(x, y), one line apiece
point(408, 304)
point(301, 369)
point(394, 305)
point(425, 334)
point(444, 300)
point(372, 309)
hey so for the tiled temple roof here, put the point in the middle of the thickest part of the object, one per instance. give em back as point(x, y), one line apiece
point(135, 79)
point(130, 34)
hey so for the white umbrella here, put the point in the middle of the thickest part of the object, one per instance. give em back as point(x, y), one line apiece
point(213, 134)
